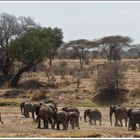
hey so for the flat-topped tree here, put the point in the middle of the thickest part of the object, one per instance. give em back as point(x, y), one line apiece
point(29, 49)
point(81, 46)
point(111, 46)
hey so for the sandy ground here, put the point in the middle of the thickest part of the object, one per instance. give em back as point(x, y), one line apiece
point(16, 125)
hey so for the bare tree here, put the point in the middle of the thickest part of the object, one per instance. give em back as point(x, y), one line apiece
point(110, 78)
point(81, 47)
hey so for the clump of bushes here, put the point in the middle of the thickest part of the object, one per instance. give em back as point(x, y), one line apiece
point(38, 96)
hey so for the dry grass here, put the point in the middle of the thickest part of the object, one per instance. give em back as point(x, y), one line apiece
point(64, 93)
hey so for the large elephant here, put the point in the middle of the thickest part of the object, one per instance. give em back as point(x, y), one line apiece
point(62, 118)
point(45, 113)
point(120, 114)
point(1, 119)
point(71, 109)
point(93, 114)
point(74, 119)
point(134, 118)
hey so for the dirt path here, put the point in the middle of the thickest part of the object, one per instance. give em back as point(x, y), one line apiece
point(15, 125)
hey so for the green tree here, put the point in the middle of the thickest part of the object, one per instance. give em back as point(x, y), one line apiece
point(55, 36)
point(10, 28)
point(29, 49)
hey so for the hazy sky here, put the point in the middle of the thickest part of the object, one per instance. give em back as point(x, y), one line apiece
point(89, 20)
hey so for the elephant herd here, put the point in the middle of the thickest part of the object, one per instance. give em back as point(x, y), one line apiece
point(49, 113)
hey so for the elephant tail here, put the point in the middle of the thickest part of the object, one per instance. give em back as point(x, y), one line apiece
point(1, 119)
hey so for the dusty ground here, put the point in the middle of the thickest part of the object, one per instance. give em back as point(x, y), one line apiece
point(15, 125)
point(65, 92)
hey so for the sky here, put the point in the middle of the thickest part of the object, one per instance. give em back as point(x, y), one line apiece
point(82, 20)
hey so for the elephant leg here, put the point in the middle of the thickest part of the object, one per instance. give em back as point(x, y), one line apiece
point(90, 121)
point(100, 122)
point(121, 122)
point(77, 124)
point(58, 127)
point(130, 124)
point(28, 114)
point(116, 121)
point(51, 122)
point(33, 116)
point(64, 126)
point(126, 122)
point(134, 126)
point(47, 125)
point(44, 123)
point(94, 122)
point(25, 114)
point(39, 122)
point(72, 125)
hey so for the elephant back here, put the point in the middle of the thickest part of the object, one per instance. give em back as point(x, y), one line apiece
point(61, 115)
point(71, 109)
point(95, 113)
point(45, 111)
point(28, 106)
point(73, 115)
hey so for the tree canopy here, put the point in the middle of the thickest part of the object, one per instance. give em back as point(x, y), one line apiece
point(112, 45)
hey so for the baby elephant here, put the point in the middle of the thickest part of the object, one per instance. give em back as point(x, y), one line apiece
point(74, 119)
point(93, 115)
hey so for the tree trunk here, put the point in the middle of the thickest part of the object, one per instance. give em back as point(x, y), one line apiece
point(17, 76)
point(50, 65)
point(7, 66)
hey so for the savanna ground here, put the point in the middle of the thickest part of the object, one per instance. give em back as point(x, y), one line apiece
point(65, 93)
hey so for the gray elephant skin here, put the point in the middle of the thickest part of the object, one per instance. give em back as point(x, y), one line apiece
point(27, 107)
point(134, 118)
point(120, 113)
point(61, 117)
point(74, 119)
point(93, 115)
point(71, 109)
point(45, 113)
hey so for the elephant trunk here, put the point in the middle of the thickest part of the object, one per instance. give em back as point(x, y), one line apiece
point(110, 114)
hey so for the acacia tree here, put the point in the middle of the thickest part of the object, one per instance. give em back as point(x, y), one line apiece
point(10, 28)
point(111, 46)
point(29, 49)
point(81, 47)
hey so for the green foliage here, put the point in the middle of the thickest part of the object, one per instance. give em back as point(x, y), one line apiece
point(34, 45)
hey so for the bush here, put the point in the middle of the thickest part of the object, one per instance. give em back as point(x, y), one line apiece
point(39, 96)
point(135, 93)
point(110, 79)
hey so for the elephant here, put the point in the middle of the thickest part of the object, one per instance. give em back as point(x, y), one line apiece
point(45, 113)
point(74, 119)
point(120, 114)
point(1, 119)
point(22, 107)
point(27, 107)
point(62, 118)
point(134, 118)
point(93, 114)
point(71, 109)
